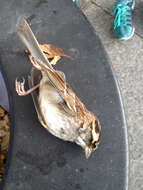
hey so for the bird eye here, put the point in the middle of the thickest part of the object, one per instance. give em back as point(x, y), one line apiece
point(93, 144)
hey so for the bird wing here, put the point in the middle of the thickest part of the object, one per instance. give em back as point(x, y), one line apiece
point(34, 79)
point(59, 82)
point(54, 51)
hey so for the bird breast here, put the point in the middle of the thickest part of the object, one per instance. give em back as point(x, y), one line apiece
point(59, 123)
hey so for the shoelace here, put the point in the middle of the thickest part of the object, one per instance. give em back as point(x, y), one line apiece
point(121, 12)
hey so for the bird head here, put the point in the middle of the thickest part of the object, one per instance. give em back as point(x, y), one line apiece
point(95, 138)
point(89, 137)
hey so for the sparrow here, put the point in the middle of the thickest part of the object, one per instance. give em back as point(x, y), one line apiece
point(58, 108)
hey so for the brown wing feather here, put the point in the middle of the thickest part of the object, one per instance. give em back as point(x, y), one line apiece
point(53, 50)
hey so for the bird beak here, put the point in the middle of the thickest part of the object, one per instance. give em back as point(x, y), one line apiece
point(88, 152)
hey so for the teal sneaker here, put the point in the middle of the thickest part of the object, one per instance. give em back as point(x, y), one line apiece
point(75, 2)
point(123, 27)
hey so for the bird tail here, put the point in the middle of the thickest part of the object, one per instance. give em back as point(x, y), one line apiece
point(28, 38)
point(26, 35)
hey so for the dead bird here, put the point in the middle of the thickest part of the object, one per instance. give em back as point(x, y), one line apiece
point(59, 110)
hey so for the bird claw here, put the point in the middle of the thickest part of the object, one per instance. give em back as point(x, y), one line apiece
point(20, 87)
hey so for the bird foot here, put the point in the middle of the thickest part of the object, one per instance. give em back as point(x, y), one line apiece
point(20, 87)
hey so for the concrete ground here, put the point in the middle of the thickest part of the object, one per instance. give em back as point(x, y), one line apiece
point(127, 61)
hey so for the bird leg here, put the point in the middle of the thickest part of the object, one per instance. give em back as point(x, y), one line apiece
point(20, 88)
point(34, 63)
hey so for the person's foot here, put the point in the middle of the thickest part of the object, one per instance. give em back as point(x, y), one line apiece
point(122, 12)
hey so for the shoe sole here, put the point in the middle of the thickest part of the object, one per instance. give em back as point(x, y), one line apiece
point(127, 38)
point(133, 5)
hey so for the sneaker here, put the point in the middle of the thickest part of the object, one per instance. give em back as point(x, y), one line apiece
point(75, 2)
point(123, 27)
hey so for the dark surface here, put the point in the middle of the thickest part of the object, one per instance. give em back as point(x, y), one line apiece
point(40, 160)
point(138, 18)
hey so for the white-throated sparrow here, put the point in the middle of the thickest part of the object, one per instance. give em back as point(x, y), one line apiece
point(59, 110)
